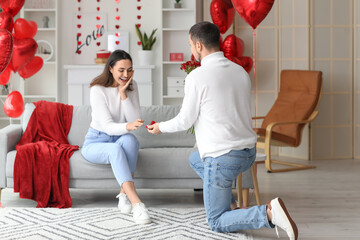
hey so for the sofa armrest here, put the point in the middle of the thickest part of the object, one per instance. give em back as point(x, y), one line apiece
point(9, 137)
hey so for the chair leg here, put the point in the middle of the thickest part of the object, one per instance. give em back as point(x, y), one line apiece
point(256, 185)
point(239, 189)
point(245, 196)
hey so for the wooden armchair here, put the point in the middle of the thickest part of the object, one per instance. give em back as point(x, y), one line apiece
point(294, 107)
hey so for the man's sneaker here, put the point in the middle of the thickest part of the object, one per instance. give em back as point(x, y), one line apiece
point(124, 204)
point(281, 218)
point(140, 214)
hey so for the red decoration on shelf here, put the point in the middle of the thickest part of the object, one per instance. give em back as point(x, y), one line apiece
point(177, 57)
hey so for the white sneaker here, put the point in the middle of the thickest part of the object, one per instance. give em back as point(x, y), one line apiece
point(281, 218)
point(140, 214)
point(124, 204)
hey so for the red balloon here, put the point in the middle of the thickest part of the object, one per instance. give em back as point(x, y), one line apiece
point(6, 46)
point(233, 46)
point(24, 29)
point(6, 21)
point(31, 67)
point(253, 11)
point(5, 76)
point(24, 51)
point(12, 6)
point(222, 14)
point(245, 62)
point(14, 105)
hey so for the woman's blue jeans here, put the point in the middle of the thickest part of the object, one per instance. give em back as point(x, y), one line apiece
point(218, 175)
point(119, 151)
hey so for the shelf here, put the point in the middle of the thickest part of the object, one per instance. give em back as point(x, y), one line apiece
point(39, 10)
point(39, 96)
point(172, 62)
point(8, 118)
point(169, 97)
point(177, 10)
point(46, 29)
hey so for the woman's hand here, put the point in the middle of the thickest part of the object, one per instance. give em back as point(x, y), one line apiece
point(134, 125)
point(122, 89)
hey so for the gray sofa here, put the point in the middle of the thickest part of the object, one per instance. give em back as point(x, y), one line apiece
point(162, 163)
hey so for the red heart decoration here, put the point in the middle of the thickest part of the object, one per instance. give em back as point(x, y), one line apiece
point(79, 26)
point(79, 42)
point(245, 62)
point(139, 43)
point(117, 34)
point(11, 6)
point(233, 46)
point(6, 21)
point(253, 11)
point(98, 35)
point(24, 29)
point(98, 0)
point(79, 34)
point(98, 43)
point(138, 17)
point(5, 76)
point(79, 16)
point(79, 8)
point(222, 14)
point(98, 17)
point(24, 51)
point(138, 7)
point(117, 9)
point(6, 46)
point(78, 52)
point(138, 0)
point(117, 17)
point(14, 104)
point(98, 8)
point(117, 42)
point(117, 26)
point(138, 25)
point(79, 0)
point(98, 26)
point(31, 67)
point(117, 1)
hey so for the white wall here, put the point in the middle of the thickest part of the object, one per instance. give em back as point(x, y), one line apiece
point(150, 19)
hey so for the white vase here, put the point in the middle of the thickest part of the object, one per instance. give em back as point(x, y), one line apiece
point(145, 57)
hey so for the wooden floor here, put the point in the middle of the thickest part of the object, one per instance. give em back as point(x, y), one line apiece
point(324, 202)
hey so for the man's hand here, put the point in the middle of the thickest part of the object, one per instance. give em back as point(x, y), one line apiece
point(134, 125)
point(154, 129)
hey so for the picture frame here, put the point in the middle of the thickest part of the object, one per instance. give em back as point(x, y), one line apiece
point(118, 40)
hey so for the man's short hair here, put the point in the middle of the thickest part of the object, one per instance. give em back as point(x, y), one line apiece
point(207, 33)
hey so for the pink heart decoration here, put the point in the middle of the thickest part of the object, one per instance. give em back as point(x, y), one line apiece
point(253, 11)
point(31, 67)
point(117, 17)
point(6, 46)
point(11, 6)
point(98, 35)
point(24, 51)
point(98, 26)
point(6, 21)
point(222, 14)
point(117, 1)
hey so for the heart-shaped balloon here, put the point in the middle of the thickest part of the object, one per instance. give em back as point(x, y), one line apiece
point(24, 29)
point(5, 76)
point(14, 105)
point(245, 62)
point(222, 14)
point(12, 6)
point(24, 51)
point(31, 67)
point(6, 46)
point(6, 21)
point(253, 11)
point(233, 46)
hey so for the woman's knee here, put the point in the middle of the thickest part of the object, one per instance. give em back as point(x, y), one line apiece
point(130, 140)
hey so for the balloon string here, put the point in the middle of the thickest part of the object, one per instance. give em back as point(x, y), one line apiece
point(254, 63)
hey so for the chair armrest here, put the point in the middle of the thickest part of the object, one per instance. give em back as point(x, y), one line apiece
point(273, 124)
point(9, 137)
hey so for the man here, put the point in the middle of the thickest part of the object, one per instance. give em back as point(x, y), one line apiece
point(217, 101)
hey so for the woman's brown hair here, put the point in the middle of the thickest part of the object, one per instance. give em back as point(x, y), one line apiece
point(106, 78)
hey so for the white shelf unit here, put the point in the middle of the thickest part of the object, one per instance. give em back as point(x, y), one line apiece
point(44, 84)
point(176, 23)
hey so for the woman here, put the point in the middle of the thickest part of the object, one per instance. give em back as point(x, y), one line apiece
point(115, 108)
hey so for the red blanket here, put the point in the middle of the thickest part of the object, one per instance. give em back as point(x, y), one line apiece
point(41, 170)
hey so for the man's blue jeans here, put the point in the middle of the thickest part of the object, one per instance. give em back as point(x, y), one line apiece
point(218, 175)
point(119, 151)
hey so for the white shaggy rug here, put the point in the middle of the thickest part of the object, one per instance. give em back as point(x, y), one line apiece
point(106, 223)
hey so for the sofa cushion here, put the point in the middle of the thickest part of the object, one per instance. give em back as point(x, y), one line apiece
point(29, 108)
point(158, 114)
point(80, 124)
